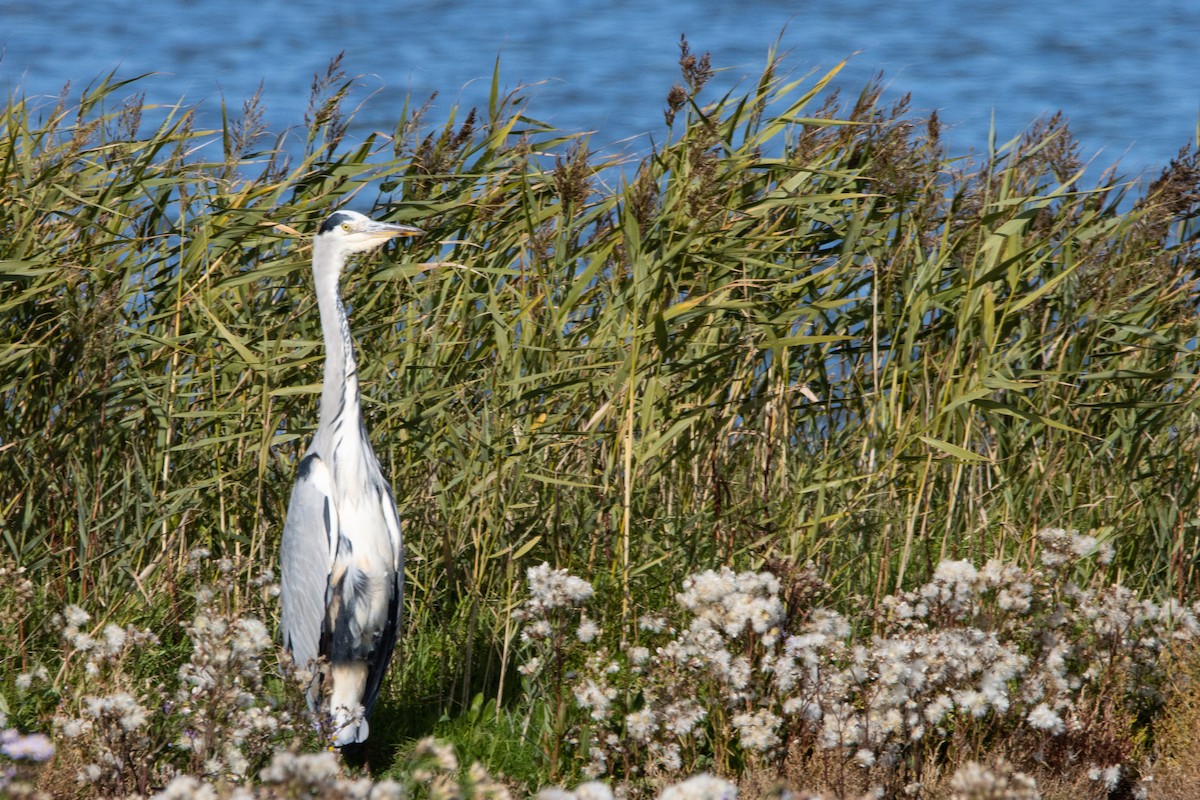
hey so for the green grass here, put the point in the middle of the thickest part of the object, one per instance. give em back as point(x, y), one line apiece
point(798, 330)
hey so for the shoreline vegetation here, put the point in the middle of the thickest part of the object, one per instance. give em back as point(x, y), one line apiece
point(798, 457)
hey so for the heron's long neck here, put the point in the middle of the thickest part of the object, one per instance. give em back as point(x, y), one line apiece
point(339, 395)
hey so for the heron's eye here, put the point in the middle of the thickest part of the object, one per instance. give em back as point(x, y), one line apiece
point(347, 227)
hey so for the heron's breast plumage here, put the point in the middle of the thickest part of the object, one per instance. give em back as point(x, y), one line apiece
point(366, 564)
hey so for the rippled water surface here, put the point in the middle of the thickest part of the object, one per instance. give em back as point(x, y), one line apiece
point(1127, 75)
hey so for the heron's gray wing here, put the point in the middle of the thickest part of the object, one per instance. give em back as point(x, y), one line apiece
point(387, 641)
point(306, 558)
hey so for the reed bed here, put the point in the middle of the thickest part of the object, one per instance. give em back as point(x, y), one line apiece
point(797, 338)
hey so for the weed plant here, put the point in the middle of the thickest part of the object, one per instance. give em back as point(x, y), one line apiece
point(746, 673)
point(798, 355)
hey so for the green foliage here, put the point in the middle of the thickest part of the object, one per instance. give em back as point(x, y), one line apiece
point(499, 738)
point(797, 330)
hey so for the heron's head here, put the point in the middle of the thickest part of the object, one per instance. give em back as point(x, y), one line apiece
point(351, 232)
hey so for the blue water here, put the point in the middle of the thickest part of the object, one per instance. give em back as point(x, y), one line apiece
point(1126, 75)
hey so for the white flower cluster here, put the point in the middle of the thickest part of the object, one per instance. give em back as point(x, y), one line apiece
point(700, 787)
point(697, 787)
point(758, 730)
point(112, 645)
point(215, 719)
point(1023, 649)
point(555, 597)
point(974, 781)
point(595, 697)
point(1108, 777)
point(1060, 547)
point(112, 729)
point(552, 609)
point(432, 771)
point(728, 603)
point(214, 732)
point(223, 681)
point(730, 616)
point(554, 588)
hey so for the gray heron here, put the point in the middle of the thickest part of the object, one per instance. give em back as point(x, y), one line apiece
point(342, 555)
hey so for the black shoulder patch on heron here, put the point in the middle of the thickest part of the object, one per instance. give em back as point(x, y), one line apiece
point(332, 221)
point(305, 466)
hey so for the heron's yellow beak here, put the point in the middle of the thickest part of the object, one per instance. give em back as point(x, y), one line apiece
point(390, 230)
